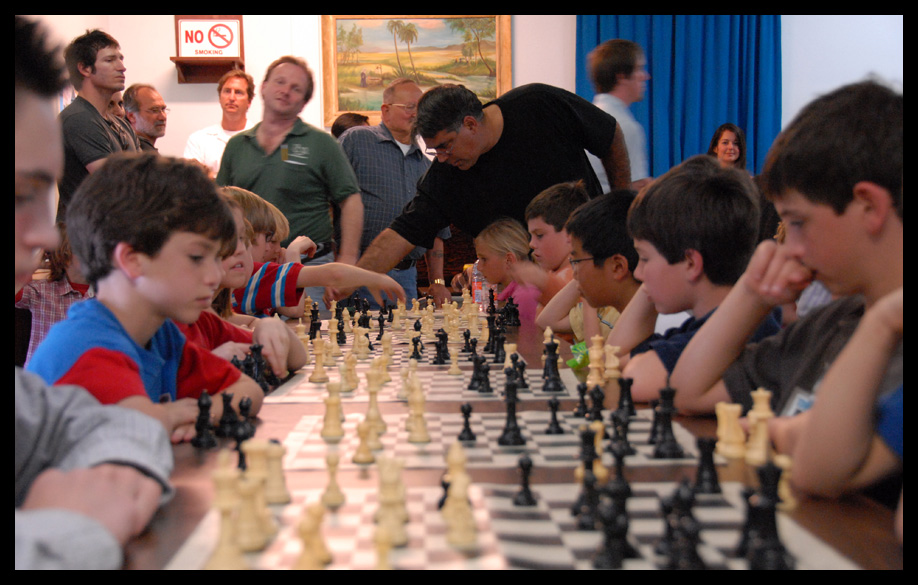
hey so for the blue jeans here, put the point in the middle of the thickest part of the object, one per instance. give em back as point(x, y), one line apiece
point(317, 292)
point(407, 278)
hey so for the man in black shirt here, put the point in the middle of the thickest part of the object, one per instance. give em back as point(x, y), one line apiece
point(492, 160)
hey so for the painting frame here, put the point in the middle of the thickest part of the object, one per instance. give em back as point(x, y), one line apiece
point(378, 69)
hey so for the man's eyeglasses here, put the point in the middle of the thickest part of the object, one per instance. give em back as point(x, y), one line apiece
point(157, 111)
point(574, 263)
point(408, 107)
point(440, 151)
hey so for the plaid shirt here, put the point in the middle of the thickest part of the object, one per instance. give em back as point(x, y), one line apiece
point(49, 301)
point(387, 177)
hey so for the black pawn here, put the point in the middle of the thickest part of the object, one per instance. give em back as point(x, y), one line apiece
point(204, 430)
point(706, 481)
point(524, 497)
point(667, 446)
point(554, 428)
point(466, 434)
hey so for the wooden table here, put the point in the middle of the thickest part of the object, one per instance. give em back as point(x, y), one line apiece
point(857, 527)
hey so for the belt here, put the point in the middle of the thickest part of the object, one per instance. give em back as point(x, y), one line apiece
point(321, 250)
point(405, 264)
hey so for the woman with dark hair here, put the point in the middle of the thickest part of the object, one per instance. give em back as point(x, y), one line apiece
point(728, 146)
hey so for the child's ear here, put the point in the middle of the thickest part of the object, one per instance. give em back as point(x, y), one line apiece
point(694, 264)
point(128, 260)
point(876, 202)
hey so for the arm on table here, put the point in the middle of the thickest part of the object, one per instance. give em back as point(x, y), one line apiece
point(771, 278)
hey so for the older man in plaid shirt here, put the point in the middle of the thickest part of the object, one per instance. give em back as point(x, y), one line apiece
point(388, 164)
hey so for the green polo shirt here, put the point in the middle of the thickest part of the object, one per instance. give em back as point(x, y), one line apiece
point(307, 172)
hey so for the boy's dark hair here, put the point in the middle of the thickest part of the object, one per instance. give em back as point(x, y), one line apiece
point(852, 134)
point(610, 59)
point(444, 108)
point(39, 68)
point(555, 204)
point(740, 162)
point(346, 121)
point(83, 50)
point(142, 199)
point(700, 206)
point(601, 226)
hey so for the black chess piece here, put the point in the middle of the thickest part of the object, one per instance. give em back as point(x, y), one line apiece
point(342, 337)
point(467, 347)
point(597, 399)
point(381, 320)
point(229, 419)
point(552, 375)
point(581, 410)
point(667, 446)
point(766, 551)
point(620, 423)
point(588, 502)
point(473, 344)
point(416, 352)
point(245, 425)
point(625, 402)
point(511, 436)
point(554, 428)
point(525, 497)
point(685, 530)
point(203, 429)
point(520, 366)
point(706, 481)
point(484, 386)
point(466, 434)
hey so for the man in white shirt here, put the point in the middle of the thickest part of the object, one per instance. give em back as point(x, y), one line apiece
point(236, 90)
point(617, 68)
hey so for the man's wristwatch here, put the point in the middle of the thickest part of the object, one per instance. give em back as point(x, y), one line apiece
point(438, 281)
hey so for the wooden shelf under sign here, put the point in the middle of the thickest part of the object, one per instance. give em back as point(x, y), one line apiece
point(206, 69)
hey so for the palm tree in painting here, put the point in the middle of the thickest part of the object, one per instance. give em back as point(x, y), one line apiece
point(395, 27)
point(409, 34)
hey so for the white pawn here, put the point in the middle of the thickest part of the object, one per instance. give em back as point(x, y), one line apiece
point(275, 482)
point(332, 431)
point(363, 455)
point(454, 364)
point(333, 498)
point(227, 555)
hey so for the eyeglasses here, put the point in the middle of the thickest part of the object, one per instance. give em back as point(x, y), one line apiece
point(408, 107)
point(440, 151)
point(158, 111)
point(574, 263)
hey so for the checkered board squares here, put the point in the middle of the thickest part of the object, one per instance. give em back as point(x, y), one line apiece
point(540, 537)
point(306, 449)
point(438, 385)
point(349, 531)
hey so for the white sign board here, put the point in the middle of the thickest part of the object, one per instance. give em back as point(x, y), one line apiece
point(209, 38)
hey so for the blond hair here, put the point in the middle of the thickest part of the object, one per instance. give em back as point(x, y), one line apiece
point(505, 236)
point(264, 217)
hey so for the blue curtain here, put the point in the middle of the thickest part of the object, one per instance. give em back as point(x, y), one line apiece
point(705, 70)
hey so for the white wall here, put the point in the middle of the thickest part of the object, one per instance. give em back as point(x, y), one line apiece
point(819, 54)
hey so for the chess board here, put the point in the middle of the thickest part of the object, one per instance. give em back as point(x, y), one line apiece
point(306, 450)
point(437, 383)
point(540, 537)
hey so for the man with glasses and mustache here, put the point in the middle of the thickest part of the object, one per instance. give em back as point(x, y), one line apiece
point(389, 162)
point(493, 159)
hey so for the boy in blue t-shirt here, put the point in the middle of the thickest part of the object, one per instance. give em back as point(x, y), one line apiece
point(150, 233)
point(694, 230)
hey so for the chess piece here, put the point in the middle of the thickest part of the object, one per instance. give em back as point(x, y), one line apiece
point(757, 448)
point(332, 498)
point(227, 555)
point(229, 419)
point(454, 365)
point(554, 428)
point(312, 557)
point(466, 434)
point(249, 531)
point(511, 435)
point(275, 482)
point(524, 497)
point(625, 401)
point(667, 447)
point(332, 431)
point(318, 374)
point(460, 521)
point(765, 550)
point(204, 430)
point(706, 481)
point(788, 502)
point(363, 455)
point(581, 410)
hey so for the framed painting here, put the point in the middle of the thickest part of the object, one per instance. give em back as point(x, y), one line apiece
point(361, 55)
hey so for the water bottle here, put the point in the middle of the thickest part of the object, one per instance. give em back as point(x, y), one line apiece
point(481, 288)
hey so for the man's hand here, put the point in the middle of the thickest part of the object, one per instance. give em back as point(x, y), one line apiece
point(440, 294)
point(119, 497)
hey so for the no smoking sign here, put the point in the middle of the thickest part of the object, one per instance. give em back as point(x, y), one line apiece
point(209, 38)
